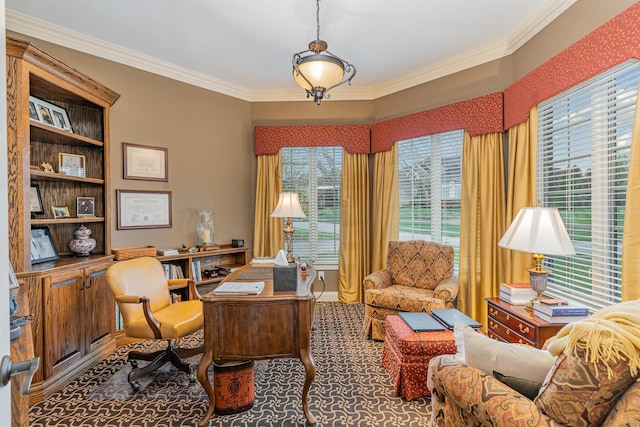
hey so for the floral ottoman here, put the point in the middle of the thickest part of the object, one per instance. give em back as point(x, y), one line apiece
point(406, 355)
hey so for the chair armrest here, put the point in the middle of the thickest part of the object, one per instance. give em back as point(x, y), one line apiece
point(447, 290)
point(193, 289)
point(146, 308)
point(377, 280)
point(480, 395)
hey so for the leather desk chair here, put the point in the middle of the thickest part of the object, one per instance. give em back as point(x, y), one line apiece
point(141, 290)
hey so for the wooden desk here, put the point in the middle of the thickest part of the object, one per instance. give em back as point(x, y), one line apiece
point(271, 325)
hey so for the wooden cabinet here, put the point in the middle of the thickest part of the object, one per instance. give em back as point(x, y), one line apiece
point(513, 323)
point(74, 320)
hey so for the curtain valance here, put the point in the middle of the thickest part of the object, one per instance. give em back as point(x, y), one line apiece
point(478, 116)
point(353, 138)
point(609, 45)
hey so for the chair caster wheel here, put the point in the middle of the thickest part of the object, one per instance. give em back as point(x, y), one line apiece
point(135, 385)
point(134, 363)
point(192, 377)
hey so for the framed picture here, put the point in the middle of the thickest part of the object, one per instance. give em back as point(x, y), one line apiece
point(85, 207)
point(143, 209)
point(60, 212)
point(36, 200)
point(144, 162)
point(13, 280)
point(49, 113)
point(42, 246)
point(71, 164)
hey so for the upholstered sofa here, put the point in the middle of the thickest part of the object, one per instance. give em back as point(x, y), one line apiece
point(594, 380)
point(418, 277)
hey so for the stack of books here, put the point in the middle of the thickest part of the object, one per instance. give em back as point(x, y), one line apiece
point(517, 293)
point(556, 310)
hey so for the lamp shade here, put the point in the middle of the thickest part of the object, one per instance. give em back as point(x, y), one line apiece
point(538, 230)
point(288, 206)
point(320, 70)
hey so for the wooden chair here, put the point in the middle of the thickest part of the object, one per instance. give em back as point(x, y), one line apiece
point(141, 290)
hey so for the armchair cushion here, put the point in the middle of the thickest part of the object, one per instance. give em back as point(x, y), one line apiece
point(527, 388)
point(176, 320)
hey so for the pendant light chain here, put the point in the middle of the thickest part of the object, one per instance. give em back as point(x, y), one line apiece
point(317, 19)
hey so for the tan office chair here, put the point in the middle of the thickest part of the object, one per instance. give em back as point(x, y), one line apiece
point(141, 290)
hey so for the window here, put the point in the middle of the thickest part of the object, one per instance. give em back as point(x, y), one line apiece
point(430, 178)
point(584, 137)
point(315, 173)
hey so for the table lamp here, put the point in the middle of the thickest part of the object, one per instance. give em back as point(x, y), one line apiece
point(288, 207)
point(538, 230)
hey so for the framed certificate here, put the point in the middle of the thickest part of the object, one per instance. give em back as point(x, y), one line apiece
point(143, 209)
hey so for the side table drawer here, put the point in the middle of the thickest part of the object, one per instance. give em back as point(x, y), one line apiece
point(522, 328)
point(506, 334)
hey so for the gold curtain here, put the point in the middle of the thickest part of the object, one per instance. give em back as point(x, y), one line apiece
point(268, 237)
point(481, 222)
point(631, 233)
point(385, 206)
point(521, 192)
point(353, 257)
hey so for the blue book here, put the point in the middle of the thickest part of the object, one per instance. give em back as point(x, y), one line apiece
point(570, 309)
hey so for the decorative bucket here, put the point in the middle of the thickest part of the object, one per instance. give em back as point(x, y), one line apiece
point(233, 387)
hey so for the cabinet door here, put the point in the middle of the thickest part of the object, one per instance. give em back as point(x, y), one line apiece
point(63, 320)
point(100, 306)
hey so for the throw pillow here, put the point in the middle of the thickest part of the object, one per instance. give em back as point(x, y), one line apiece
point(528, 389)
point(489, 355)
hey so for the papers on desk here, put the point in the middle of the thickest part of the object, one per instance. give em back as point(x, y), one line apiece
point(239, 288)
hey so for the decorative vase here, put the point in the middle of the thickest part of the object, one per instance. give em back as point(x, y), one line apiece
point(83, 244)
point(205, 227)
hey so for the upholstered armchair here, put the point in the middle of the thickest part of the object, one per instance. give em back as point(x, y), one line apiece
point(418, 277)
point(141, 290)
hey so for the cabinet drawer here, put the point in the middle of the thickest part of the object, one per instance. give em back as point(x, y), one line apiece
point(506, 334)
point(518, 325)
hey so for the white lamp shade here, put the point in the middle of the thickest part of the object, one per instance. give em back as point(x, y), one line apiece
point(288, 207)
point(321, 70)
point(538, 230)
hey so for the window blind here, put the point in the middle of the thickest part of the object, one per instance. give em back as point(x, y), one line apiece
point(315, 173)
point(584, 139)
point(430, 180)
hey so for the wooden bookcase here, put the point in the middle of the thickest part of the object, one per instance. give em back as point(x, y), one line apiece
point(68, 296)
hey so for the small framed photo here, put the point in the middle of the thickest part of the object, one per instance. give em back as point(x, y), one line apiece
point(60, 212)
point(145, 162)
point(49, 113)
point(71, 164)
point(143, 209)
point(36, 200)
point(42, 247)
point(13, 280)
point(85, 207)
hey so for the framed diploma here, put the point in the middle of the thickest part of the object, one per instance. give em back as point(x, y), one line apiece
point(143, 209)
point(144, 162)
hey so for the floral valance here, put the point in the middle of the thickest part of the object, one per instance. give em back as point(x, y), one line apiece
point(478, 116)
point(611, 44)
point(355, 139)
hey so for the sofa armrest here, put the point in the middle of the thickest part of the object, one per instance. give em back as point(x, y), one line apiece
point(377, 280)
point(480, 396)
point(447, 290)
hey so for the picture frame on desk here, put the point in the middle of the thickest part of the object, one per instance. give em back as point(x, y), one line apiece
point(145, 162)
point(43, 248)
point(143, 209)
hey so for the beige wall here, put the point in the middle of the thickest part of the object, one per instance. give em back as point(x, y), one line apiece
point(210, 136)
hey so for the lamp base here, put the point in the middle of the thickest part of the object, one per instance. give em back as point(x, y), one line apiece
point(288, 237)
point(538, 279)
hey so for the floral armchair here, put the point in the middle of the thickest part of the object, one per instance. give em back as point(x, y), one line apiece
point(418, 277)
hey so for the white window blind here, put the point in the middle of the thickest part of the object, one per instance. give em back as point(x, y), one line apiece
point(430, 179)
point(584, 136)
point(315, 173)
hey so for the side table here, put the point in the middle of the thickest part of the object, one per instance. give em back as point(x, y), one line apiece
point(513, 323)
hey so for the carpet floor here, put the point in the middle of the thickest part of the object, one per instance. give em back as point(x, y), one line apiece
point(351, 388)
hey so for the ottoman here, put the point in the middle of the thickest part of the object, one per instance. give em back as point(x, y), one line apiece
point(406, 355)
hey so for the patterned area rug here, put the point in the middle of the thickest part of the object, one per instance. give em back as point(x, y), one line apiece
point(351, 388)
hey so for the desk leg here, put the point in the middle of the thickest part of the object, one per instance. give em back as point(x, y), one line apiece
point(310, 369)
point(203, 378)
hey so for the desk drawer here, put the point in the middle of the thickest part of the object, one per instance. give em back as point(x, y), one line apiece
point(507, 334)
point(522, 328)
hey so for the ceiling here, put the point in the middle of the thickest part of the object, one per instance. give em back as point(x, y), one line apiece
point(243, 48)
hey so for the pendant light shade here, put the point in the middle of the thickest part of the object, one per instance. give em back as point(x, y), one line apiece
point(317, 70)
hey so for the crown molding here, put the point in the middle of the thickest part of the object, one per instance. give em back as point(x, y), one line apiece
point(43, 30)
